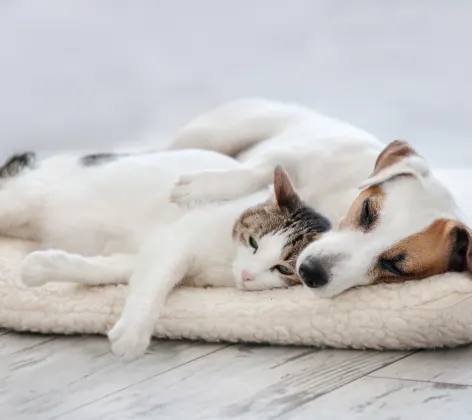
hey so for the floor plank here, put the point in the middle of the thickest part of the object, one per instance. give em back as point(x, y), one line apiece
point(3, 331)
point(448, 366)
point(11, 343)
point(390, 399)
point(238, 382)
point(55, 377)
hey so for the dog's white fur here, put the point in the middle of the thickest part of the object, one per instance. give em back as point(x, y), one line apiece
point(411, 204)
point(330, 162)
point(326, 158)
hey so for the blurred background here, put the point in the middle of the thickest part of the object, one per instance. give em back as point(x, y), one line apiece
point(94, 74)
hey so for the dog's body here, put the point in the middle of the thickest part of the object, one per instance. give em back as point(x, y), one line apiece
point(326, 158)
point(394, 220)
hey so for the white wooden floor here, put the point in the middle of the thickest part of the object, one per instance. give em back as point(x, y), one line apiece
point(55, 377)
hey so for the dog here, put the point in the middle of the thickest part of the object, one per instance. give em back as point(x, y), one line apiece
point(393, 220)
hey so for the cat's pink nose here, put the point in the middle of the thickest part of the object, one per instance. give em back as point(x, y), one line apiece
point(245, 276)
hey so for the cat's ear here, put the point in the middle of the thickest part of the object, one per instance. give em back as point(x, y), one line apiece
point(285, 195)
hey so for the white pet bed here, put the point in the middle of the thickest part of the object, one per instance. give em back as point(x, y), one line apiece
point(432, 313)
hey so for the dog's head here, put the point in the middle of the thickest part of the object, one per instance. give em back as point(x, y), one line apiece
point(404, 225)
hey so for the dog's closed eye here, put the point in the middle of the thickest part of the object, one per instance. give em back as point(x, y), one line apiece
point(367, 217)
point(392, 265)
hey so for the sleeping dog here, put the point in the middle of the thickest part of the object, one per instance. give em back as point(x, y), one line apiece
point(394, 221)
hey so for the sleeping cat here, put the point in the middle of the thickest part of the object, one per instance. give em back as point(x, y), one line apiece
point(252, 242)
point(268, 235)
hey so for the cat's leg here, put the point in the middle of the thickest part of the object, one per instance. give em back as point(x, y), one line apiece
point(231, 184)
point(52, 265)
point(161, 266)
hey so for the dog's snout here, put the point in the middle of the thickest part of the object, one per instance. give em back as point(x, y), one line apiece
point(313, 273)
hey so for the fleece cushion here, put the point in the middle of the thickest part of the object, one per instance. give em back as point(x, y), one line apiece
point(434, 312)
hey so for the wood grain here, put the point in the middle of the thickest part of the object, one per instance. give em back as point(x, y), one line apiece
point(53, 377)
point(257, 382)
point(445, 366)
point(46, 377)
point(390, 399)
point(11, 343)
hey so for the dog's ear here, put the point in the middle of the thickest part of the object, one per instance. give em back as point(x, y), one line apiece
point(397, 159)
point(460, 258)
point(285, 195)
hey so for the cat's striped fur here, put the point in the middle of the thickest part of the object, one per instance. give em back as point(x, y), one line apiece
point(290, 218)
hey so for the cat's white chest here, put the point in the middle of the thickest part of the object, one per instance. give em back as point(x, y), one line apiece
point(213, 264)
point(218, 276)
point(209, 231)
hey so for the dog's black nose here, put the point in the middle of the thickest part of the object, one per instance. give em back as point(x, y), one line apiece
point(313, 274)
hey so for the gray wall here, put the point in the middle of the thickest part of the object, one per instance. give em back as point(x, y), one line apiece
point(83, 73)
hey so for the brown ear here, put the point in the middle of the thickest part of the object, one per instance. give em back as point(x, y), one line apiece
point(398, 158)
point(460, 258)
point(285, 195)
point(393, 153)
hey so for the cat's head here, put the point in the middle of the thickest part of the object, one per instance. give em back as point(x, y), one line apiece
point(270, 236)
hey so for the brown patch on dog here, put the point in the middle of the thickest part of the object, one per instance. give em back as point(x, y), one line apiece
point(444, 246)
point(393, 153)
point(352, 220)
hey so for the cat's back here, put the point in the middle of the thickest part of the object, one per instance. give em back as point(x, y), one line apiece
point(118, 178)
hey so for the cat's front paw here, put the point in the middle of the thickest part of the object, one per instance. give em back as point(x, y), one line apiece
point(198, 187)
point(38, 268)
point(130, 340)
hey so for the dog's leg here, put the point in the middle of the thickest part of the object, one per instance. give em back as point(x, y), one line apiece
point(52, 265)
point(231, 129)
point(236, 126)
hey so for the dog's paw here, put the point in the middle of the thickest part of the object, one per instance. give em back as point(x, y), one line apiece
point(200, 187)
point(130, 340)
point(40, 267)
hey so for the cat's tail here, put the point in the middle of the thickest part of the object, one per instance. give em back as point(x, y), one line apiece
point(15, 164)
point(236, 126)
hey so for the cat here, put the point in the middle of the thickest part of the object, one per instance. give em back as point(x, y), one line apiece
point(252, 243)
point(274, 229)
point(91, 214)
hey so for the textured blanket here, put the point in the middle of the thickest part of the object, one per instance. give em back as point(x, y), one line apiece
point(431, 313)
